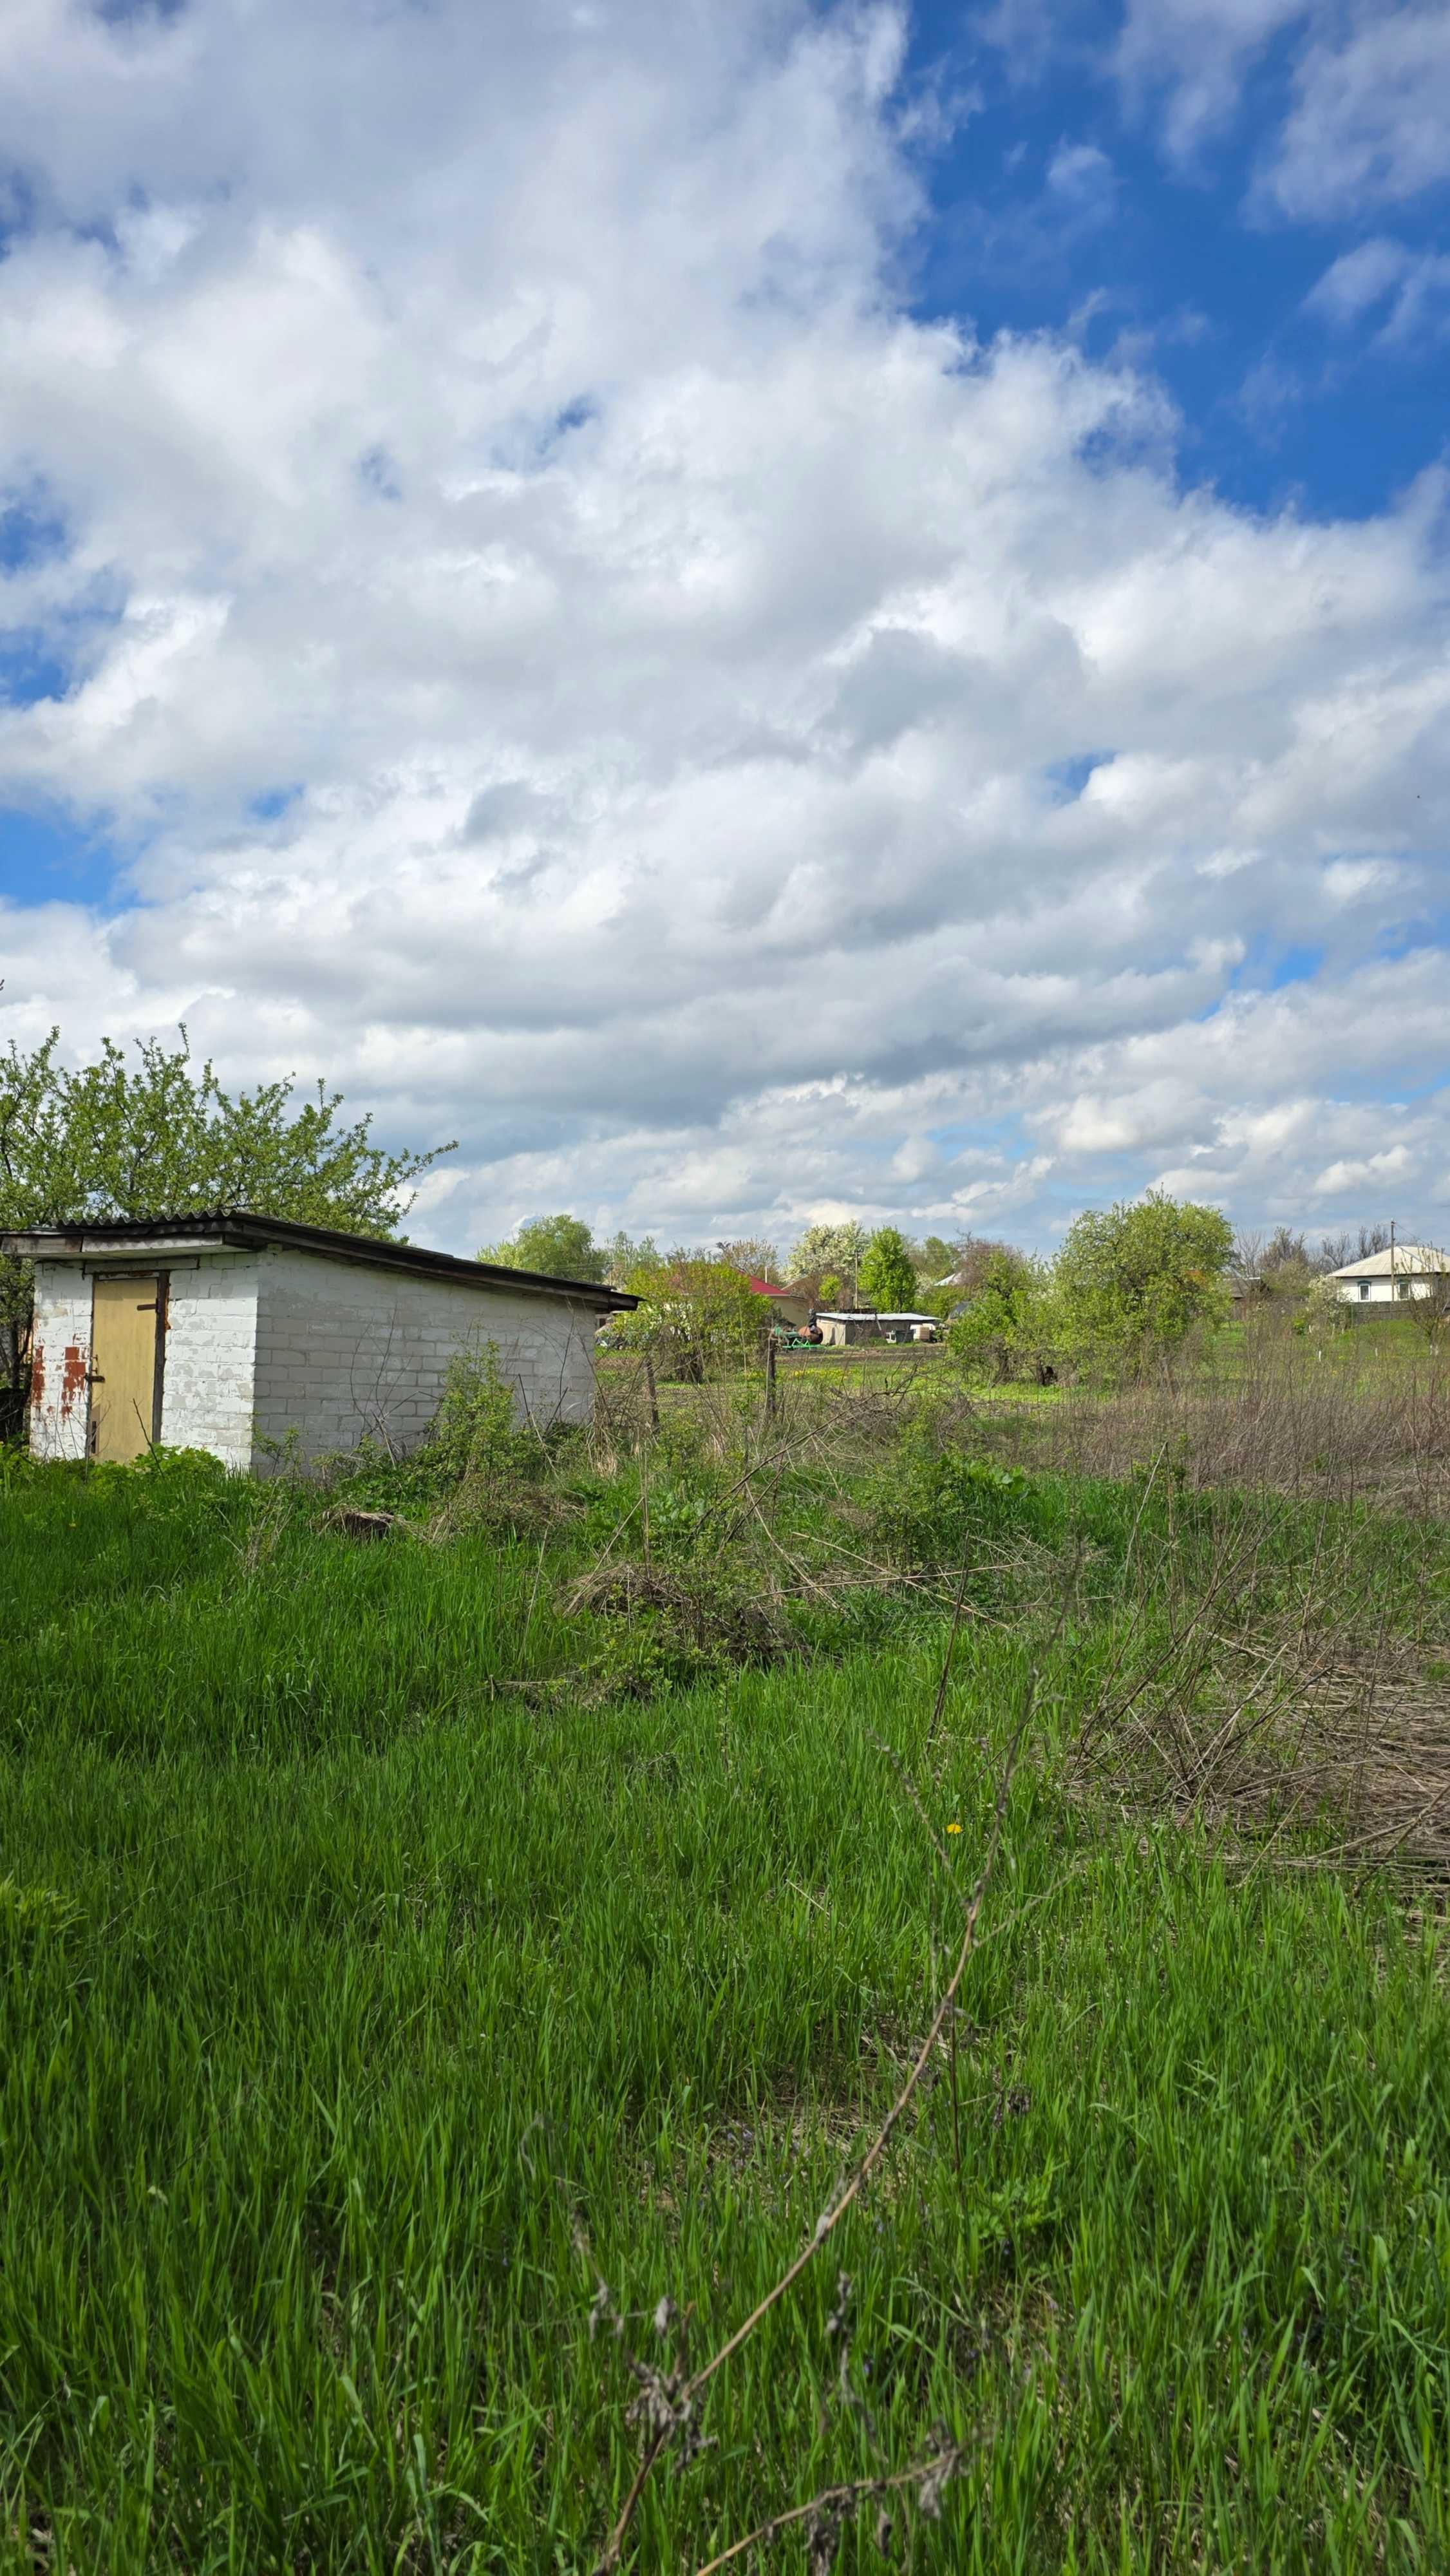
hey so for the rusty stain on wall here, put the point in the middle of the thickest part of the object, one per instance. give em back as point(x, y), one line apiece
point(37, 1377)
point(73, 1380)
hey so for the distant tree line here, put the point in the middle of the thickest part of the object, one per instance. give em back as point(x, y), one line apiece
point(1127, 1286)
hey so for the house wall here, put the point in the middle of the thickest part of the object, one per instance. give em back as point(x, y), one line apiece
point(345, 1352)
point(1384, 1292)
point(206, 1400)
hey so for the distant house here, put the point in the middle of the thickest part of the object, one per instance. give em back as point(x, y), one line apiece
point(792, 1306)
point(237, 1333)
point(1385, 1278)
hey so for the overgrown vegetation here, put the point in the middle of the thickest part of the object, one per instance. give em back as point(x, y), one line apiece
point(463, 1929)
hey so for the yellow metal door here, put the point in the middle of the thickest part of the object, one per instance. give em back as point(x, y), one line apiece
point(125, 1324)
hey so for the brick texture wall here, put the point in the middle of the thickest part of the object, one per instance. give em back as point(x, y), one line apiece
point(60, 1357)
point(211, 1348)
point(344, 1352)
point(206, 1400)
point(260, 1346)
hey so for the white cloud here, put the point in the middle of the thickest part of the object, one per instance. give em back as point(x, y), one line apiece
point(1193, 54)
point(1370, 123)
point(1357, 281)
point(1414, 285)
point(755, 751)
point(1080, 177)
point(1367, 121)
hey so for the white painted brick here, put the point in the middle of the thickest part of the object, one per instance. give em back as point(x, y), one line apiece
point(60, 1359)
point(259, 1345)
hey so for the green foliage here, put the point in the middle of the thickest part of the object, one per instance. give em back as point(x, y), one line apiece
point(136, 1136)
point(751, 1254)
point(561, 1247)
point(1138, 1276)
point(480, 1465)
point(1324, 1315)
point(887, 1278)
point(935, 1259)
point(476, 1430)
point(698, 1318)
point(626, 1257)
point(119, 1138)
point(1010, 1327)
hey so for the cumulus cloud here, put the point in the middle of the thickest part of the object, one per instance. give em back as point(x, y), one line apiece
point(558, 644)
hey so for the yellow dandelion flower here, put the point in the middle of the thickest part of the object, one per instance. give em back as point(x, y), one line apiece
point(954, 1829)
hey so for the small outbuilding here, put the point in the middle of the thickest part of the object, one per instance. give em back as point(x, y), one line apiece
point(866, 1325)
point(1390, 1278)
point(246, 1334)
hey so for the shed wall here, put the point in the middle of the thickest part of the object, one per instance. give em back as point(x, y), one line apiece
point(206, 1400)
point(345, 1352)
point(211, 1349)
point(60, 1359)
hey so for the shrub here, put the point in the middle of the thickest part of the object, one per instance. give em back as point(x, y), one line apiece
point(1010, 1328)
point(1134, 1278)
point(697, 1318)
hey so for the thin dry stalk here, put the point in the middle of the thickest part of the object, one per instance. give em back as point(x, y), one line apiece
point(686, 2397)
point(835, 2505)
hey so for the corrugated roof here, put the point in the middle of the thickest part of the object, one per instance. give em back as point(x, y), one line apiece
point(241, 1229)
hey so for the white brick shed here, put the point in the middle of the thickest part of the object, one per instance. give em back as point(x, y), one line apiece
point(230, 1332)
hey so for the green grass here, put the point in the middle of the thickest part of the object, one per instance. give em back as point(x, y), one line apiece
point(342, 1981)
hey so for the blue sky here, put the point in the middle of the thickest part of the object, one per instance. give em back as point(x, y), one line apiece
point(771, 612)
point(1183, 247)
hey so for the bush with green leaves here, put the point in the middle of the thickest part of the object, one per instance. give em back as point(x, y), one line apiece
point(479, 1466)
point(1134, 1279)
point(1010, 1326)
point(888, 1277)
point(696, 1319)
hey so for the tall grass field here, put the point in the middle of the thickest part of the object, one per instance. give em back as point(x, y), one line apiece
point(446, 1975)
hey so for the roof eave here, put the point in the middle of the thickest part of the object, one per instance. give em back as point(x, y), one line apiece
point(238, 1230)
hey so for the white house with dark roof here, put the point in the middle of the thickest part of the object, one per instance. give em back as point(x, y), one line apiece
point(1383, 1278)
point(240, 1334)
